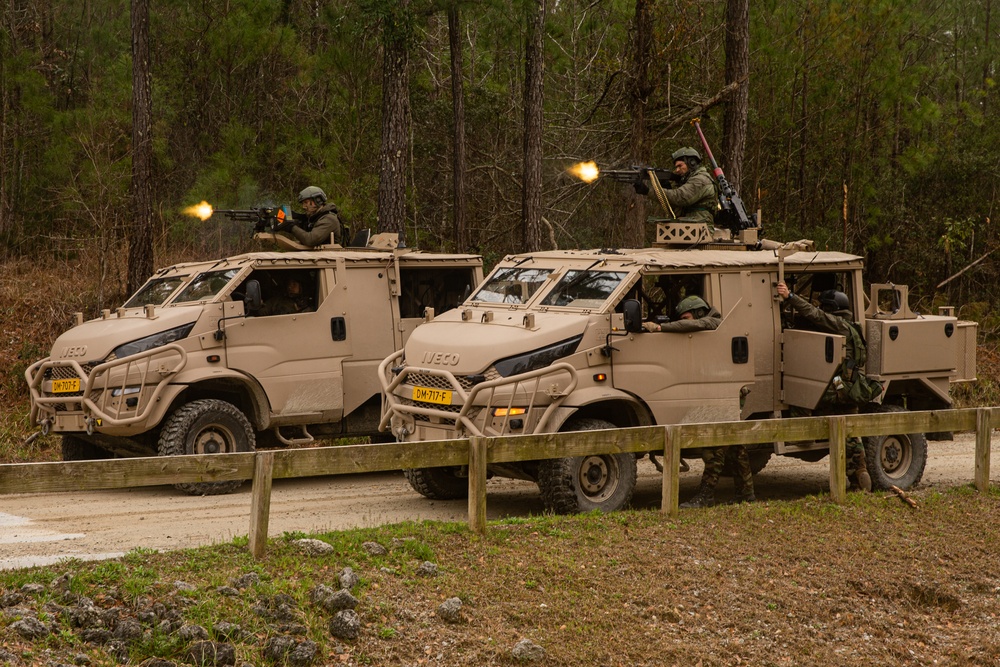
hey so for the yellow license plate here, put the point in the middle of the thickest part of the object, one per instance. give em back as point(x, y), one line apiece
point(428, 395)
point(65, 386)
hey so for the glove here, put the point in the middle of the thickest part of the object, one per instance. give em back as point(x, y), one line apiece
point(285, 226)
point(651, 327)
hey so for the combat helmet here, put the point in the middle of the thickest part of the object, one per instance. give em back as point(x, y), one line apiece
point(314, 193)
point(686, 153)
point(692, 303)
point(832, 300)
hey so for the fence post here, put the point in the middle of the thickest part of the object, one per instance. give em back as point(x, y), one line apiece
point(984, 432)
point(260, 504)
point(671, 471)
point(838, 459)
point(477, 484)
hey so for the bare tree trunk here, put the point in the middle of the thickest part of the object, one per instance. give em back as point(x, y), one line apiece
point(734, 133)
point(639, 152)
point(140, 253)
point(459, 235)
point(531, 197)
point(395, 111)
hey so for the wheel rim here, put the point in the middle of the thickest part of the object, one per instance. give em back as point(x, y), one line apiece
point(214, 439)
point(598, 477)
point(896, 456)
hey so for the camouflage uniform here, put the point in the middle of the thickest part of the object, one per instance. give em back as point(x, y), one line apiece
point(833, 401)
point(715, 459)
point(315, 229)
point(694, 196)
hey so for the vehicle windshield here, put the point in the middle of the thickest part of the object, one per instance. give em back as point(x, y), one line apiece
point(512, 285)
point(206, 286)
point(155, 292)
point(584, 289)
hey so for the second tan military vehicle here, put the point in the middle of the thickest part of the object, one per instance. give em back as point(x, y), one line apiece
point(553, 341)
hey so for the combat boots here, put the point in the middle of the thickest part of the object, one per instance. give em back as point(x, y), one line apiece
point(704, 498)
point(744, 497)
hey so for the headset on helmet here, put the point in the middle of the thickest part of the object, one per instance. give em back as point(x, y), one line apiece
point(690, 303)
point(314, 193)
point(831, 300)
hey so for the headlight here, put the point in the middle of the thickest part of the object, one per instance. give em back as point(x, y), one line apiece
point(127, 391)
point(539, 358)
point(149, 342)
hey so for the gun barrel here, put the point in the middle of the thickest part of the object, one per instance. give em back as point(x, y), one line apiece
point(635, 174)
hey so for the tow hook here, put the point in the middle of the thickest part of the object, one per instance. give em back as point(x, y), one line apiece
point(46, 425)
point(90, 426)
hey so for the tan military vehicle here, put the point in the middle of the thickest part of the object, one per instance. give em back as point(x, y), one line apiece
point(217, 356)
point(553, 341)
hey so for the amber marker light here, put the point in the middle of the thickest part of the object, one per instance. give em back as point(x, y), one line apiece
point(600, 377)
point(213, 358)
point(508, 412)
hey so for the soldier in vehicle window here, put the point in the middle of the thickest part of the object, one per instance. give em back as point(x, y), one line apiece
point(834, 316)
point(693, 314)
point(291, 300)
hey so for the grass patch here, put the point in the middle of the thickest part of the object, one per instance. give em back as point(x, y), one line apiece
point(799, 582)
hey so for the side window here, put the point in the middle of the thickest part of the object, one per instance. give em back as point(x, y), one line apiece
point(663, 292)
point(439, 288)
point(285, 291)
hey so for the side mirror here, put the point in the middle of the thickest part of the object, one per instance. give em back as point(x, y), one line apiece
point(632, 310)
point(252, 300)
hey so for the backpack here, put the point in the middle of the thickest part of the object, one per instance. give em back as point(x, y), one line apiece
point(857, 389)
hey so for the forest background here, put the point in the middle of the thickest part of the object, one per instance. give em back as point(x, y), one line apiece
point(869, 126)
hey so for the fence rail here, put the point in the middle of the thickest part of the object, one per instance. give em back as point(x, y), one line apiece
point(478, 452)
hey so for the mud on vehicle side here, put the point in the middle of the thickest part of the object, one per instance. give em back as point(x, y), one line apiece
point(552, 341)
point(200, 360)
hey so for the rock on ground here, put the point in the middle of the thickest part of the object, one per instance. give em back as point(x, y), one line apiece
point(450, 610)
point(345, 624)
point(527, 650)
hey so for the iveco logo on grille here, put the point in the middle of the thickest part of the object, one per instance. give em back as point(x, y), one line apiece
point(73, 351)
point(441, 358)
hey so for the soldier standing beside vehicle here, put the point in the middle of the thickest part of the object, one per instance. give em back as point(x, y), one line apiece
point(320, 221)
point(692, 191)
point(694, 314)
point(833, 316)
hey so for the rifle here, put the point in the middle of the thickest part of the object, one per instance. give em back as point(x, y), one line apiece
point(732, 215)
point(636, 175)
point(265, 218)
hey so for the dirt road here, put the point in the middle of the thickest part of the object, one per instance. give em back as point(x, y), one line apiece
point(38, 529)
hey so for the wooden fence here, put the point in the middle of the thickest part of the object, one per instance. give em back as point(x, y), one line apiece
point(478, 452)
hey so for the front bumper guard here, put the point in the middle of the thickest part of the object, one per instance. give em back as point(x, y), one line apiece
point(556, 382)
point(94, 398)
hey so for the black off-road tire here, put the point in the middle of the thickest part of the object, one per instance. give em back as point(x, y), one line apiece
point(438, 483)
point(77, 449)
point(895, 460)
point(602, 482)
point(206, 426)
